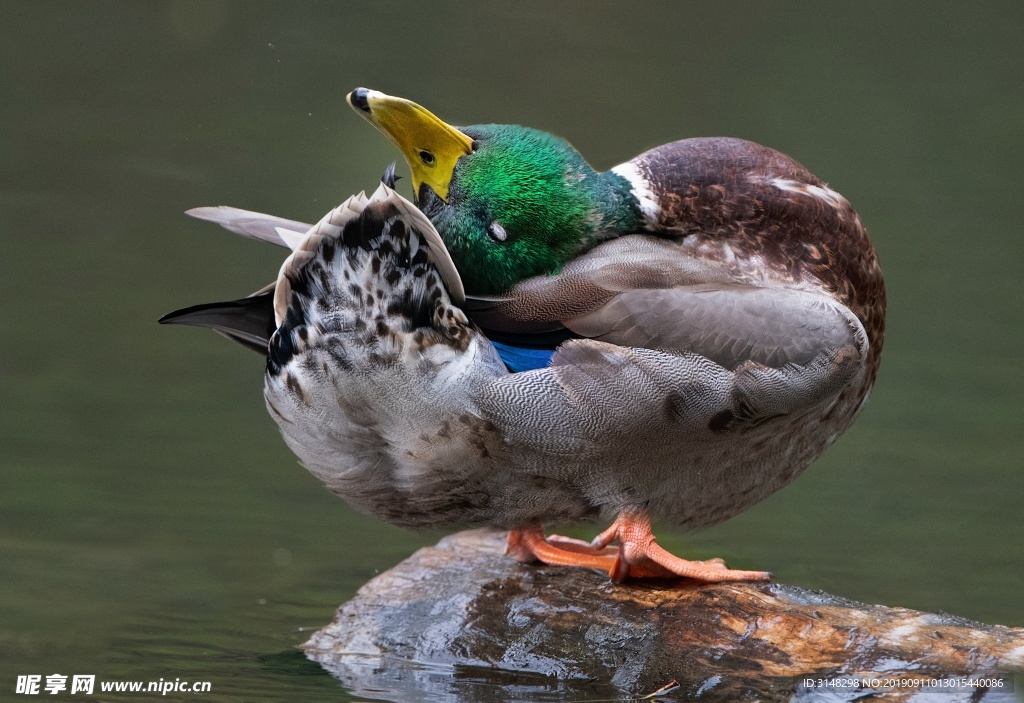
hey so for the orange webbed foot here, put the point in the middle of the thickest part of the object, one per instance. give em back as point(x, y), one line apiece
point(638, 555)
point(529, 544)
point(641, 557)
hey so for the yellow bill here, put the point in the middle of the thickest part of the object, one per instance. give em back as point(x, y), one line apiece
point(431, 147)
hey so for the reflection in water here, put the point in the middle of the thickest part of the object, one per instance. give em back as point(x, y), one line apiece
point(410, 682)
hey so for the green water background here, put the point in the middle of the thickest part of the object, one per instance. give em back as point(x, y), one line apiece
point(152, 522)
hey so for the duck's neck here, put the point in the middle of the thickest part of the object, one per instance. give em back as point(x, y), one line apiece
point(616, 209)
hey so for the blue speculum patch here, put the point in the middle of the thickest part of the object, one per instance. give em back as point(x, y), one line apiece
point(523, 358)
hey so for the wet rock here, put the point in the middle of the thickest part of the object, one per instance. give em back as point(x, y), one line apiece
point(460, 621)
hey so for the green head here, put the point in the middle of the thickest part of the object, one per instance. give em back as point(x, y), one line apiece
point(510, 202)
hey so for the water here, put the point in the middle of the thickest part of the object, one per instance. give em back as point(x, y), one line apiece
point(152, 523)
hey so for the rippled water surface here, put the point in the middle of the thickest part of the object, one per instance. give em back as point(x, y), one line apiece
point(152, 522)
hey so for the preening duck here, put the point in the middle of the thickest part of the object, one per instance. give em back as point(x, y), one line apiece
point(533, 342)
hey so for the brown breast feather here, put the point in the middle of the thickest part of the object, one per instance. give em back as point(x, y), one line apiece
point(715, 190)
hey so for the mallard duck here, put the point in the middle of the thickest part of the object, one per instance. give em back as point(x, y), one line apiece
point(532, 342)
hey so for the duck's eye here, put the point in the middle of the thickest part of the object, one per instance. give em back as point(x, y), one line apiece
point(497, 232)
point(427, 157)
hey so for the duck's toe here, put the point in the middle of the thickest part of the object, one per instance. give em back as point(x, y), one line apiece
point(581, 546)
point(529, 545)
point(641, 557)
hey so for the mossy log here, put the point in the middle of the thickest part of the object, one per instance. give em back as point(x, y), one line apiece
point(459, 619)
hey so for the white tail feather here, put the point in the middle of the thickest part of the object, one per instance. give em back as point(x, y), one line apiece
point(253, 225)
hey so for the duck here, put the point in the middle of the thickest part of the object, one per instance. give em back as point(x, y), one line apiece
point(530, 342)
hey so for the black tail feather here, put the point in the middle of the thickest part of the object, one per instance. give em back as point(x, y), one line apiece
point(249, 321)
point(389, 176)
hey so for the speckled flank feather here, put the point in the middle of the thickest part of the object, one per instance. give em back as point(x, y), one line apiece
point(333, 224)
point(371, 356)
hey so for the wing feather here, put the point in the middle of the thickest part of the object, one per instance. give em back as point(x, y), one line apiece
point(652, 293)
